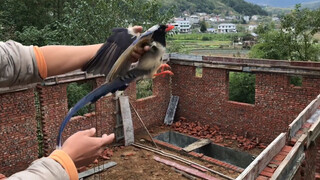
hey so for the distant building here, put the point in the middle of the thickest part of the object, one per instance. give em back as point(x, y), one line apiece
point(182, 25)
point(227, 28)
point(255, 18)
point(202, 14)
point(216, 19)
point(211, 30)
point(246, 18)
point(275, 19)
point(252, 27)
point(194, 19)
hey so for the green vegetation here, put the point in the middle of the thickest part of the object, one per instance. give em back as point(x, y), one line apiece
point(76, 22)
point(215, 6)
point(294, 41)
point(39, 124)
point(203, 26)
point(296, 80)
point(76, 91)
point(144, 88)
point(199, 71)
point(184, 43)
point(242, 87)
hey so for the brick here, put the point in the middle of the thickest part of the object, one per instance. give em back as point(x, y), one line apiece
point(271, 170)
point(265, 173)
point(262, 178)
point(279, 157)
point(286, 149)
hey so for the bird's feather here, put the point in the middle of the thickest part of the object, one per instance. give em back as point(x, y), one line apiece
point(110, 51)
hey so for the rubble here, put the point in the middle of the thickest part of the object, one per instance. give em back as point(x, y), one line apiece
point(213, 133)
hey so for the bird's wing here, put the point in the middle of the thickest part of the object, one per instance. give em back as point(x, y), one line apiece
point(122, 65)
point(110, 51)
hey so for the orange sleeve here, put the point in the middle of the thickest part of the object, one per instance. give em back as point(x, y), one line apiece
point(66, 162)
point(41, 62)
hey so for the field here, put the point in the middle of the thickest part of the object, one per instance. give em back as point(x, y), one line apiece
point(207, 44)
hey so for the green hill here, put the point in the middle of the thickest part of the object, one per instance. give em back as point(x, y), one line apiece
point(311, 5)
point(215, 6)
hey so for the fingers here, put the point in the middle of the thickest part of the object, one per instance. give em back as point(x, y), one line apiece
point(138, 52)
point(135, 56)
point(107, 139)
point(146, 48)
point(137, 29)
point(89, 132)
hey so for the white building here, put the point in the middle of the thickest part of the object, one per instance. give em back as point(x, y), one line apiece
point(182, 25)
point(275, 19)
point(216, 19)
point(227, 28)
point(211, 30)
point(246, 18)
point(252, 27)
point(255, 18)
point(194, 19)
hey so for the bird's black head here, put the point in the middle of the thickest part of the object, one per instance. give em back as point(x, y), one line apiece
point(159, 35)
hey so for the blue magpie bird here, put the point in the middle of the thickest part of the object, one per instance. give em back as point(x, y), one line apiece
point(112, 59)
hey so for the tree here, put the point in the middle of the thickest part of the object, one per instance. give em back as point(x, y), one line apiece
point(77, 22)
point(203, 26)
point(294, 40)
point(242, 87)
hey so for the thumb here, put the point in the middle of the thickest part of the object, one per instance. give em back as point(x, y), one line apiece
point(90, 132)
point(107, 139)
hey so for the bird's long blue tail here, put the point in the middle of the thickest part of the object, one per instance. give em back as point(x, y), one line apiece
point(112, 87)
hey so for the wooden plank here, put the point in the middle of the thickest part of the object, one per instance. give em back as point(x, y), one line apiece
point(119, 124)
point(303, 116)
point(127, 120)
point(292, 161)
point(254, 169)
point(171, 111)
point(197, 144)
point(95, 170)
point(185, 168)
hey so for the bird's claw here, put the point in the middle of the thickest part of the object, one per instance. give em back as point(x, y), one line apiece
point(162, 70)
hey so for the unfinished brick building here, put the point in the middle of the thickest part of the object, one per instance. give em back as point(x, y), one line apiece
point(278, 116)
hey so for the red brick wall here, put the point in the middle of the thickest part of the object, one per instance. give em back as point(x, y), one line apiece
point(19, 145)
point(201, 99)
point(307, 169)
point(277, 103)
point(19, 126)
point(152, 110)
point(55, 106)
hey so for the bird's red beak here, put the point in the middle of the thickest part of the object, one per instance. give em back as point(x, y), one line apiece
point(169, 27)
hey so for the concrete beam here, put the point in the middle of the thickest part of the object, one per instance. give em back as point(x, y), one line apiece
point(248, 65)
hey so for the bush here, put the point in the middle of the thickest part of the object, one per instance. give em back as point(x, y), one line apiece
point(75, 92)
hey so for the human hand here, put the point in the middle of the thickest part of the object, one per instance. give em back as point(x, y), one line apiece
point(138, 51)
point(83, 148)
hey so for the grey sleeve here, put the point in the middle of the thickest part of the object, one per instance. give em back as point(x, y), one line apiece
point(44, 168)
point(18, 65)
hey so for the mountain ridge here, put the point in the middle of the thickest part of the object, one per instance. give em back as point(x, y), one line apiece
point(282, 3)
point(228, 7)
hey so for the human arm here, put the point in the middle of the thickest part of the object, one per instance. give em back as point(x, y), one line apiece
point(20, 65)
point(80, 149)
